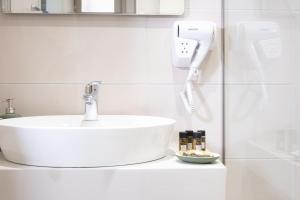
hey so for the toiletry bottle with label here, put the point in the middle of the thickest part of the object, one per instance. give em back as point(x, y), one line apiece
point(190, 139)
point(10, 111)
point(203, 141)
point(197, 140)
point(183, 141)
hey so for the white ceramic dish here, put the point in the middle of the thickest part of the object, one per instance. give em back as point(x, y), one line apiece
point(198, 160)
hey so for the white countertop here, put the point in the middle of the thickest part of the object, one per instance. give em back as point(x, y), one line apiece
point(169, 162)
point(166, 178)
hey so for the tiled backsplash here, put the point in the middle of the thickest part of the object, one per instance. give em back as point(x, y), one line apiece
point(46, 60)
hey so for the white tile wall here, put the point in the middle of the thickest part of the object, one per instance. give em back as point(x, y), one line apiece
point(46, 60)
point(256, 123)
point(262, 111)
point(255, 179)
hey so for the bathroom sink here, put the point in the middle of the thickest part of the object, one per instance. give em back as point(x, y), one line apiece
point(69, 141)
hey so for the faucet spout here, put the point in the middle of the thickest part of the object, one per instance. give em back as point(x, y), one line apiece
point(91, 101)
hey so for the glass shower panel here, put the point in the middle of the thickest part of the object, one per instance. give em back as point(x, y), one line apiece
point(262, 95)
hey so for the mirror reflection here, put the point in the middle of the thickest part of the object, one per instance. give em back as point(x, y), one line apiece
point(126, 7)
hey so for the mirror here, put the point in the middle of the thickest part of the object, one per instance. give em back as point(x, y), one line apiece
point(117, 7)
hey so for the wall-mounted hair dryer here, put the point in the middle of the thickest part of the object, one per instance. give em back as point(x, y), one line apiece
point(191, 43)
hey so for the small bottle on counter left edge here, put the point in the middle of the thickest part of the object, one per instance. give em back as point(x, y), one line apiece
point(10, 111)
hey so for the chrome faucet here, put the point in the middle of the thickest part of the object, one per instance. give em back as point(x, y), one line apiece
point(90, 97)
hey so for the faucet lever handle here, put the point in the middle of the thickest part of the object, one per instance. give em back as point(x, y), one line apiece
point(92, 88)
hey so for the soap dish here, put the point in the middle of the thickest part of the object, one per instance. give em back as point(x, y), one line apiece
point(198, 160)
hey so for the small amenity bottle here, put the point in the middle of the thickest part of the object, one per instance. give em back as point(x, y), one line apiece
point(10, 111)
point(203, 141)
point(197, 140)
point(183, 141)
point(190, 139)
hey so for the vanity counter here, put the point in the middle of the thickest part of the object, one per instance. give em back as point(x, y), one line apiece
point(167, 178)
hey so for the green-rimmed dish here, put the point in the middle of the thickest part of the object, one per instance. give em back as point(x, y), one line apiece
point(199, 160)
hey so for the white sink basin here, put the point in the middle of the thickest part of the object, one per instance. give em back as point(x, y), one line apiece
point(64, 141)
